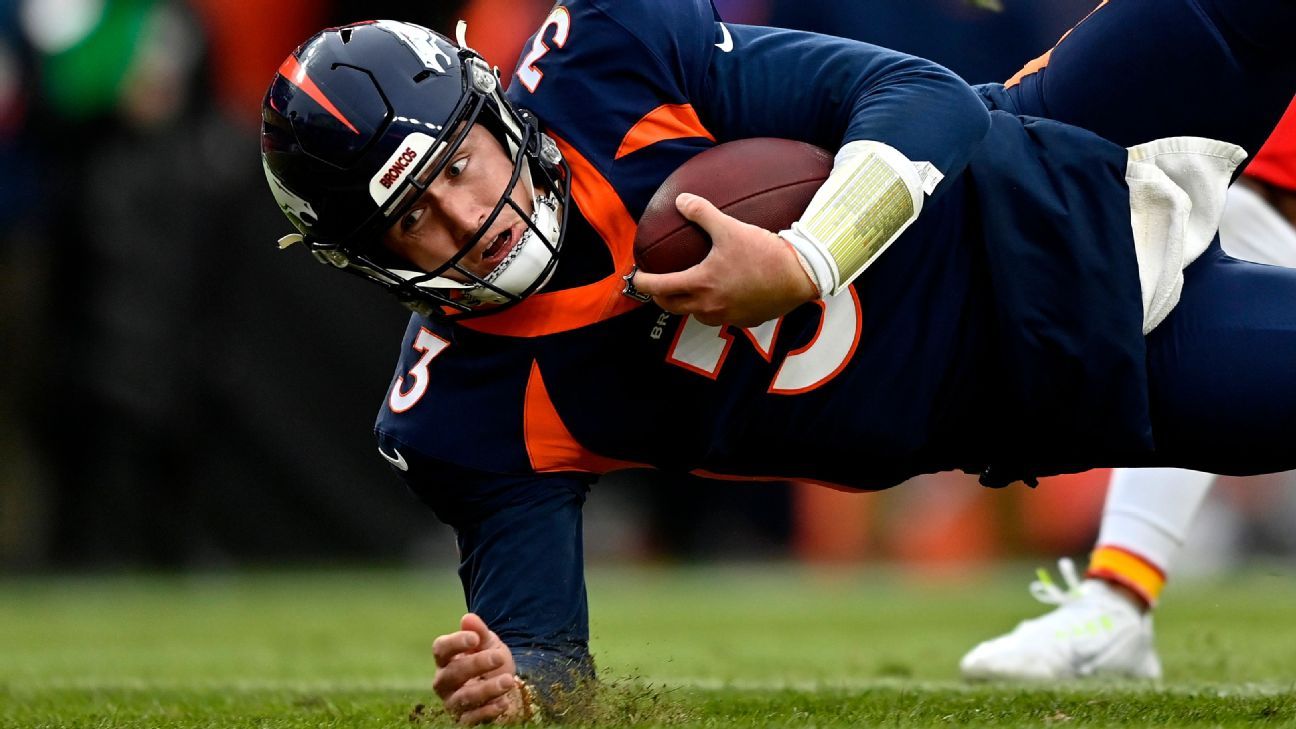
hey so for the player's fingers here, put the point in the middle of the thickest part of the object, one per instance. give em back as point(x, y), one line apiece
point(678, 283)
point(476, 694)
point(713, 318)
point(696, 302)
point(710, 315)
point(472, 622)
point(459, 672)
point(489, 639)
point(446, 647)
point(651, 284)
point(680, 304)
point(485, 713)
point(701, 211)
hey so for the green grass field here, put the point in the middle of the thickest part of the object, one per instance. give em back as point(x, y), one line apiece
point(752, 646)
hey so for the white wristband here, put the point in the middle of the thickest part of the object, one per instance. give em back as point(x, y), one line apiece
point(812, 258)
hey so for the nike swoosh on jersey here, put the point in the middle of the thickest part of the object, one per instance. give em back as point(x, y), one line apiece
point(398, 460)
point(725, 45)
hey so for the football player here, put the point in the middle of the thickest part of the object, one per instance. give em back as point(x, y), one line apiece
point(1103, 625)
point(1048, 299)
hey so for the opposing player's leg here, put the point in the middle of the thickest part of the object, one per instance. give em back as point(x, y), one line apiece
point(1145, 523)
point(1253, 228)
point(1097, 629)
point(1138, 70)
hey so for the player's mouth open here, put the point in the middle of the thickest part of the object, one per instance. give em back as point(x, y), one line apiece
point(499, 247)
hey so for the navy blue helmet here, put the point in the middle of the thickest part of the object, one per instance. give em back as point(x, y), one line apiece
point(361, 119)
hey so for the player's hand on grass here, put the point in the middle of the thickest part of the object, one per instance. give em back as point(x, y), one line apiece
point(750, 276)
point(475, 675)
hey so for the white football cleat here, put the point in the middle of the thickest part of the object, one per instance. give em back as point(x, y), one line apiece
point(1094, 631)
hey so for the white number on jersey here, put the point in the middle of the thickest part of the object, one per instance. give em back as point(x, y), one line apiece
point(702, 349)
point(401, 399)
point(560, 21)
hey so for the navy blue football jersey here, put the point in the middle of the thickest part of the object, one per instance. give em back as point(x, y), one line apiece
point(1002, 331)
point(906, 372)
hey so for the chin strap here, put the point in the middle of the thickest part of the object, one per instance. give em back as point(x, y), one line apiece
point(530, 257)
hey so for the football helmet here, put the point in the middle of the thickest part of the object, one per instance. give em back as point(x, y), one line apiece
point(358, 122)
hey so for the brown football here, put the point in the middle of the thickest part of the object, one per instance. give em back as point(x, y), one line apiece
point(764, 181)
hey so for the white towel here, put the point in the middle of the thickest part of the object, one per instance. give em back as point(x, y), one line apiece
point(1177, 190)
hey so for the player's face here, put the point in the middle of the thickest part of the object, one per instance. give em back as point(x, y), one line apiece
point(457, 204)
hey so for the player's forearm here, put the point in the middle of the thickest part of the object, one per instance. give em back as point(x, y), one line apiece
point(522, 570)
point(547, 632)
point(873, 194)
point(913, 124)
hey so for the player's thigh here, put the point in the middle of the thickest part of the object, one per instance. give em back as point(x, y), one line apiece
point(1222, 369)
point(1137, 70)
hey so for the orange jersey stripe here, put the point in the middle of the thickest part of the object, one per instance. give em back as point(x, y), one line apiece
point(1039, 63)
point(563, 311)
point(668, 121)
point(1032, 66)
point(549, 443)
point(1129, 570)
point(294, 72)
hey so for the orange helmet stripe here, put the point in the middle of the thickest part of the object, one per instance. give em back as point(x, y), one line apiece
point(296, 73)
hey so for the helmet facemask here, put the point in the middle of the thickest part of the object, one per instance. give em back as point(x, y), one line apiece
point(532, 259)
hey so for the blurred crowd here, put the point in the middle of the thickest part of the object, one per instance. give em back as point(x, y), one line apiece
point(176, 393)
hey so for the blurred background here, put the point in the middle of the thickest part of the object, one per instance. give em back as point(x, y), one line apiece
point(177, 394)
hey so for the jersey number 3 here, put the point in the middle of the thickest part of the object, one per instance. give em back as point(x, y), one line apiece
point(560, 21)
point(702, 349)
point(402, 399)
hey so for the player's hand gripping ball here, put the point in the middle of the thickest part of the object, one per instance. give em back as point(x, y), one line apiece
point(764, 181)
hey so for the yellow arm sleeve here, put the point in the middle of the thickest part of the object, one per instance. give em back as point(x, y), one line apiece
point(873, 194)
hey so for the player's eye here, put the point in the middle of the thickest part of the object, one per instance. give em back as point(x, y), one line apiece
point(412, 218)
point(457, 167)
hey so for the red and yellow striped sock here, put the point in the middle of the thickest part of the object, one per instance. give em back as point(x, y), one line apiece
point(1128, 570)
